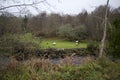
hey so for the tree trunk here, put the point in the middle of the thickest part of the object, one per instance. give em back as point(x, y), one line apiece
point(104, 33)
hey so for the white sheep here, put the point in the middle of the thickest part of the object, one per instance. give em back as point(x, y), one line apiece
point(77, 42)
point(54, 43)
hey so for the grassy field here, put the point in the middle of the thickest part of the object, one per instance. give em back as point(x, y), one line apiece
point(47, 43)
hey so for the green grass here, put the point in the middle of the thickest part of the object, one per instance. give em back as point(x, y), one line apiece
point(47, 43)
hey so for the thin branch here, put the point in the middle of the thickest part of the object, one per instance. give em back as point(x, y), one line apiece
point(97, 17)
point(22, 5)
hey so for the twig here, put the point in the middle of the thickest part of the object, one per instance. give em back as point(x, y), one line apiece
point(22, 5)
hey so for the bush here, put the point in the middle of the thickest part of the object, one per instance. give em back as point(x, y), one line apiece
point(77, 33)
point(93, 48)
point(6, 43)
point(21, 46)
point(110, 70)
point(66, 31)
point(114, 40)
point(23, 50)
point(80, 32)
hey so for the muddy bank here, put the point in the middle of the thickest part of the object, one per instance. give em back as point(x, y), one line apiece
point(55, 56)
point(54, 53)
point(74, 60)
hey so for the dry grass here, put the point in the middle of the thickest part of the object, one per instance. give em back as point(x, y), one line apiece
point(43, 69)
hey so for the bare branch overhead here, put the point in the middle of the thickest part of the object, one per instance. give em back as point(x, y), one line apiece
point(16, 5)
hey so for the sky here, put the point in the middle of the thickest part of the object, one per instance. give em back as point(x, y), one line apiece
point(68, 6)
point(76, 6)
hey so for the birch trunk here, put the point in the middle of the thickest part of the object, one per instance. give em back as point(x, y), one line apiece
point(104, 33)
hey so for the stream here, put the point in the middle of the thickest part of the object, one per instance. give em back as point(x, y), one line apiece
point(75, 60)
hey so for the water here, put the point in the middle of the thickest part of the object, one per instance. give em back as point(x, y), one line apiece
point(76, 60)
point(4, 60)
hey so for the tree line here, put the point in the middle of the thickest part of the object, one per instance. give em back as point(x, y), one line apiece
point(83, 26)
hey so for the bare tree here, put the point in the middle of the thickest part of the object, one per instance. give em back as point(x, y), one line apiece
point(104, 33)
point(21, 6)
point(17, 5)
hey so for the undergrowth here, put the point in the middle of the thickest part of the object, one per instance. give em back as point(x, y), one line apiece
point(43, 69)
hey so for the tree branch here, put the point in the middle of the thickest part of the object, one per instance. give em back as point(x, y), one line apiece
point(22, 5)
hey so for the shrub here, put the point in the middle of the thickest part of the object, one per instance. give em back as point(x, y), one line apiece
point(93, 48)
point(114, 40)
point(22, 46)
point(77, 33)
point(80, 32)
point(24, 50)
point(110, 70)
point(6, 43)
point(66, 31)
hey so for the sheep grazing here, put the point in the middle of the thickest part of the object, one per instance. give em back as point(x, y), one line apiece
point(77, 42)
point(54, 43)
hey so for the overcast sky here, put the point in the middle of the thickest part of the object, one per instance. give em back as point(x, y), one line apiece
point(71, 6)
point(76, 6)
